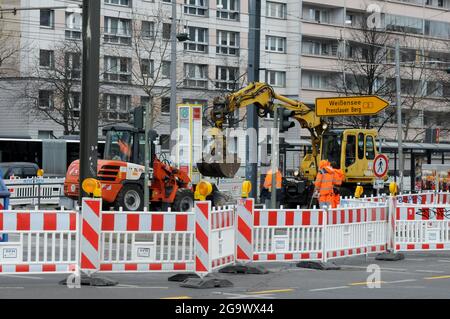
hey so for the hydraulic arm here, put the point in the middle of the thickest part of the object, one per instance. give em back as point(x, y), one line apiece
point(263, 96)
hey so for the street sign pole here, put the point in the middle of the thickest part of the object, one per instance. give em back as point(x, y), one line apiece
point(274, 164)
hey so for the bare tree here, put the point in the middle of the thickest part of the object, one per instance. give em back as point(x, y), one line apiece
point(55, 90)
point(362, 62)
point(151, 53)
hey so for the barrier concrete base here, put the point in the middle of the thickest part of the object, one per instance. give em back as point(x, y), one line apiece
point(92, 280)
point(390, 256)
point(319, 265)
point(206, 283)
point(244, 269)
point(183, 277)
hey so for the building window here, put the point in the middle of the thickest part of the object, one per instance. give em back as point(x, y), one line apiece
point(319, 15)
point(166, 31)
point(147, 67)
point(117, 106)
point(196, 75)
point(42, 135)
point(228, 9)
point(73, 65)
point(125, 3)
point(316, 80)
point(117, 31)
point(165, 104)
point(117, 69)
point(45, 99)
point(46, 59)
point(148, 29)
point(226, 78)
point(276, 78)
point(403, 24)
point(47, 18)
point(227, 42)
point(316, 47)
point(165, 69)
point(73, 26)
point(276, 10)
point(275, 44)
point(198, 40)
point(75, 103)
point(196, 7)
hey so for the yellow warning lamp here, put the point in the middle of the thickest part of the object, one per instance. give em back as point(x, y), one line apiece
point(393, 188)
point(40, 172)
point(202, 190)
point(359, 191)
point(92, 186)
point(246, 189)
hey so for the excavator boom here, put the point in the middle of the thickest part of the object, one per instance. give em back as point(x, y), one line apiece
point(263, 96)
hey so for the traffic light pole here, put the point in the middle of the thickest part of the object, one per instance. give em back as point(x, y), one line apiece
point(89, 89)
point(251, 158)
point(275, 157)
point(147, 155)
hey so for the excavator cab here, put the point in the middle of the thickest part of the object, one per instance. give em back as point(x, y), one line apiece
point(351, 150)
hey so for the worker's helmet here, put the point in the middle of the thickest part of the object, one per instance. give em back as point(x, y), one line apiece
point(323, 163)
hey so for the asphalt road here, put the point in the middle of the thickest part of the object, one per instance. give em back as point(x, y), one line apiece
point(418, 276)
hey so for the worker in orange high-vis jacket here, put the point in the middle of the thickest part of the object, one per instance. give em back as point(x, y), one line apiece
point(268, 186)
point(324, 184)
point(338, 178)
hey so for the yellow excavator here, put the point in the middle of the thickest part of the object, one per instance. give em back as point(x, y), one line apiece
point(352, 150)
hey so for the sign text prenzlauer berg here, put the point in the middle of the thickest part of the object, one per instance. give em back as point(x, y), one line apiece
point(351, 105)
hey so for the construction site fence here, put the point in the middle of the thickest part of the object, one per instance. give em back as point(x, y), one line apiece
point(208, 238)
point(35, 191)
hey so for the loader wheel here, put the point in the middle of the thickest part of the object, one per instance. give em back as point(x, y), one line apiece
point(131, 198)
point(184, 200)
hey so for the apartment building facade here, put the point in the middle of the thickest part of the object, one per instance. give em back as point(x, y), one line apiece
point(304, 47)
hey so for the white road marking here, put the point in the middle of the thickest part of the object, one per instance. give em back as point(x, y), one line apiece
point(242, 296)
point(382, 268)
point(443, 260)
point(329, 288)
point(430, 271)
point(20, 276)
point(134, 287)
point(416, 259)
point(12, 287)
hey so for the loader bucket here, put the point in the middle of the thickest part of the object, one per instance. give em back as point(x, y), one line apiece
point(207, 167)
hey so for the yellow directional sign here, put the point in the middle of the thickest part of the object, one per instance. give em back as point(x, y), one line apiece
point(350, 105)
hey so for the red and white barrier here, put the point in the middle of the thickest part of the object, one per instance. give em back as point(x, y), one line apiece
point(355, 231)
point(422, 228)
point(279, 234)
point(39, 241)
point(147, 241)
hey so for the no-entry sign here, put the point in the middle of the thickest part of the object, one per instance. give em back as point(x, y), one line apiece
point(380, 165)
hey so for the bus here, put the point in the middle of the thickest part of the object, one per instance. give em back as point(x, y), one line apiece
point(53, 155)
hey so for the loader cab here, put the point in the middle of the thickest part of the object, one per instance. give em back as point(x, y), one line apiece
point(126, 143)
point(352, 150)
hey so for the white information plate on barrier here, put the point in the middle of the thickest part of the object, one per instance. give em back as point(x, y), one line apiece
point(10, 253)
point(432, 234)
point(280, 243)
point(144, 251)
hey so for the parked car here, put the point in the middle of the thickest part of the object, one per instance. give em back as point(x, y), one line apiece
point(19, 169)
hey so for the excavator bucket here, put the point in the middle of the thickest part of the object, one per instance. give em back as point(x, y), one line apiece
point(207, 167)
point(217, 160)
